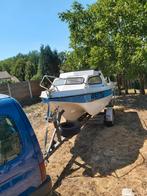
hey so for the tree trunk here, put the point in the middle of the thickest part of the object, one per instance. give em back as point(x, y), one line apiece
point(126, 87)
point(142, 90)
point(119, 84)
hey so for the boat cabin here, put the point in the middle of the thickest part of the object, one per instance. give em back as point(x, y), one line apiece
point(89, 77)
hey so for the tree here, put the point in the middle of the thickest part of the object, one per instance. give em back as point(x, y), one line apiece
point(109, 35)
point(33, 58)
point(34, 64)
point(19, 69)
point(7, 64)
point(30, 70)
point(62, 57)
point(78, 20)
point(49, 61)
point(55, 62)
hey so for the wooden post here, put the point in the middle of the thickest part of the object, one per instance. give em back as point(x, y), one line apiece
point(30, 89)
point(9, 89)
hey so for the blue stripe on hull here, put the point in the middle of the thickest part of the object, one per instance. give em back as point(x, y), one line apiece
point(82, 98)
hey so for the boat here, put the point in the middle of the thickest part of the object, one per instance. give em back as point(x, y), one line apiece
point(77, 93)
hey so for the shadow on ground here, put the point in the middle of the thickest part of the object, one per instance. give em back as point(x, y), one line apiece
point(108, 149)
point(133, 101)
point(103, 150)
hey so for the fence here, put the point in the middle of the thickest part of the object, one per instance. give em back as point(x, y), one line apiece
point(25, 92)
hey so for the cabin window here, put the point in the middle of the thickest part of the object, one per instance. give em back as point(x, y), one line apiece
point(94, 80)
point(59, 82)
point(75, 80)
point(10, 145)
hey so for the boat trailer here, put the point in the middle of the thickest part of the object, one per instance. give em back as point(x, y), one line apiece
point(63, 131)
point(56, 139)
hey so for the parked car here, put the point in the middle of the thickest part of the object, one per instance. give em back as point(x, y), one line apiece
point(22, 168)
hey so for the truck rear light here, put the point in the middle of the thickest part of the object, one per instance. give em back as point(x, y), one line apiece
point(42, 171)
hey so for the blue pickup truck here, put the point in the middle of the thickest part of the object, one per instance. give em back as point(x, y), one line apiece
point(22, 169)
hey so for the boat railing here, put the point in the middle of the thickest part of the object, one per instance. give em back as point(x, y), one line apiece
point(49, 79)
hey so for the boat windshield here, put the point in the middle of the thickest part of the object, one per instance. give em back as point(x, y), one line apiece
point(59, 82)
point(74, 80)
point(68, 81)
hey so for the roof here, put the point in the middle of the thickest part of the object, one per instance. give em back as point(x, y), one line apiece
point(2, 96)
point(13, 78)
point(4, 75)
point(79, 73)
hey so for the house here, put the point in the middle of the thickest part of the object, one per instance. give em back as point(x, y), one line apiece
point(5, 76)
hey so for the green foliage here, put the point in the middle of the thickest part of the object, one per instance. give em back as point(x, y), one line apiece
point(38, 76)
point(30, 70)
point(6, 65)
point(5, 81)
point(109, 35)
point(49, 61)
point(62, 57)
point(19, 69)
point(33, 65)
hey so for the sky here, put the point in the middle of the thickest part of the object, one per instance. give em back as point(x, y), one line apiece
point(26, 24)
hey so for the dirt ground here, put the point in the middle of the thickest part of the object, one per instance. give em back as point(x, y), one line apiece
point(100, 160)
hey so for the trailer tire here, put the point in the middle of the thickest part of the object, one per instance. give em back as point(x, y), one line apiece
point(69, 129)
point(109, 123)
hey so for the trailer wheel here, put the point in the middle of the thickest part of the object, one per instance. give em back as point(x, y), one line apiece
point(69, 129)
point(109, 116)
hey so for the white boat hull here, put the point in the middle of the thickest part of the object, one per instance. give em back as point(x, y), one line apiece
point(72, 111)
